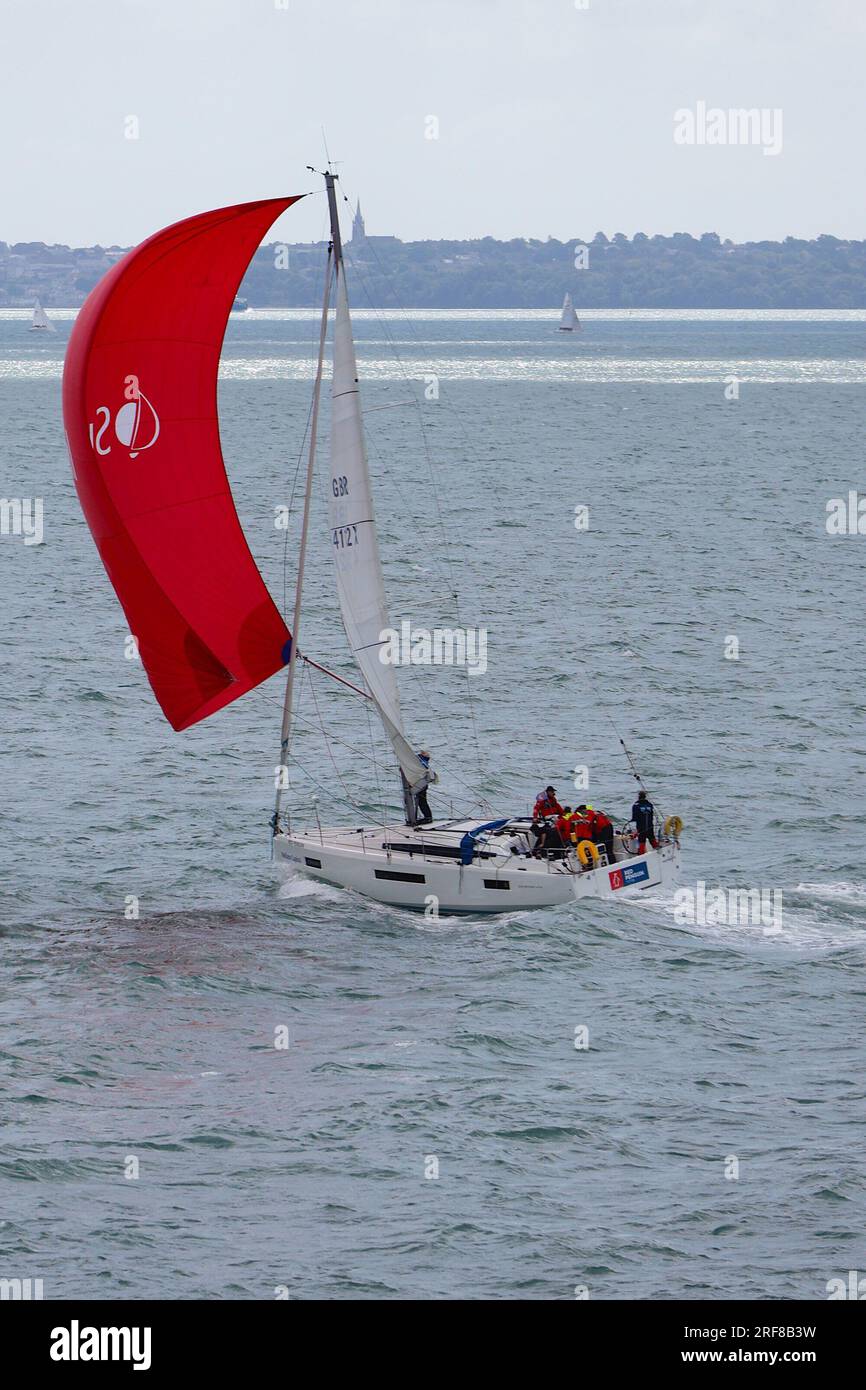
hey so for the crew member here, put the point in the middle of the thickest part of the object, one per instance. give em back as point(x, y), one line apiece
point(539, 830)
point(517, 844)
point(548, 842)
point(546, 804)
point(643, 814)
point(581, 825)
point(415, 800)
point(563, 824)
point(421, 803)
point(602, 832)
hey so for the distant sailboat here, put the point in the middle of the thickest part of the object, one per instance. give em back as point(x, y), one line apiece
point(41, 322)
point(141, 380)
point(568, 319)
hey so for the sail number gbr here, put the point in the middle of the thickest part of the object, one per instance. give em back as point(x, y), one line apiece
point(343, 536)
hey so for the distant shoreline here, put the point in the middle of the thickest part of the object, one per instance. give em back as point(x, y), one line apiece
point(643, 314)
point(677, 272)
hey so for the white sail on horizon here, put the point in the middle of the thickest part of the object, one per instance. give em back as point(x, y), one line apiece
point(354, 541)
point(568, 319)
point(41, 319)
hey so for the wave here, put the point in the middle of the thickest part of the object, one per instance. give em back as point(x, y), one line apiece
point(296, 885)
point(813, 916)
point(854, 893)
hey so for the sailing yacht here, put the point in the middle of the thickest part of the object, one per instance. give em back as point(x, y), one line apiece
point(568, 319)
point(41, 322)
point(140, 410)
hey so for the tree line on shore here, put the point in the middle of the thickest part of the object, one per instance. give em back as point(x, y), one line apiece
point(644, 272)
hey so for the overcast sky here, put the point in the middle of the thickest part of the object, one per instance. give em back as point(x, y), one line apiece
point(552, 119)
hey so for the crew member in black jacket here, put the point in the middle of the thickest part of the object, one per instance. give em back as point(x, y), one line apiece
point(642, 813)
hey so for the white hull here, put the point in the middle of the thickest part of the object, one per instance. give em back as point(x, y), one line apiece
point(420, 870)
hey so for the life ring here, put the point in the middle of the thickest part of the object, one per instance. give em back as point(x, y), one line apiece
point(587, 853)
point(673, 826)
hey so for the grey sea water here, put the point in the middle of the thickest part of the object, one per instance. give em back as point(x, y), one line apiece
point(414, 1046)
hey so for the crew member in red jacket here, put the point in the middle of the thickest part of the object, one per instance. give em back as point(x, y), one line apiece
point(581, 825)
point(602, 832)
point(546, 804)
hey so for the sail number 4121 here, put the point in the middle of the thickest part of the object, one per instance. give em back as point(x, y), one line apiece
point(344, 535)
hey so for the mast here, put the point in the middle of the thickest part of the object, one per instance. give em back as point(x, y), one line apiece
point(330, 180)
point(302, 556)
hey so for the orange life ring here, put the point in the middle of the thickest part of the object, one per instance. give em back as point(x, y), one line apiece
point(587, 853)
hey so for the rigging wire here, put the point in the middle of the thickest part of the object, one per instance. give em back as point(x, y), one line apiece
point(379, 798)
point(629, 756)
point(328, 743)
point(313, 356)
point(380, 764)
point(431, 470)
point(377, 762)
point(290, 507)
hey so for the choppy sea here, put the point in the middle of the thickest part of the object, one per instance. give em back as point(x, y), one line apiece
point(432, 1130)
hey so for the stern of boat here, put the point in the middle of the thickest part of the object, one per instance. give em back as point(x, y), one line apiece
point(657, 868)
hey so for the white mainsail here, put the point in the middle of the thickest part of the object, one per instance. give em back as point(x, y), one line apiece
point(568, 319)
point(354, 542)
point(40, 318)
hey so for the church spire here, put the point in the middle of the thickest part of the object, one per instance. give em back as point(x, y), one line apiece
point(358, 232)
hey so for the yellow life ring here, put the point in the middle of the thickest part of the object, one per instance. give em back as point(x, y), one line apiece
point(587, 853)
point(673, 826)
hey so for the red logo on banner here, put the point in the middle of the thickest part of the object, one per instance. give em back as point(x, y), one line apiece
point(616, 878)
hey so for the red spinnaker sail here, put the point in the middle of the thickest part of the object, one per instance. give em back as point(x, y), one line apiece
point(140, 409)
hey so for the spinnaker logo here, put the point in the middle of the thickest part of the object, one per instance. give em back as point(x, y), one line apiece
point(76, 1343)
point(136, 423)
